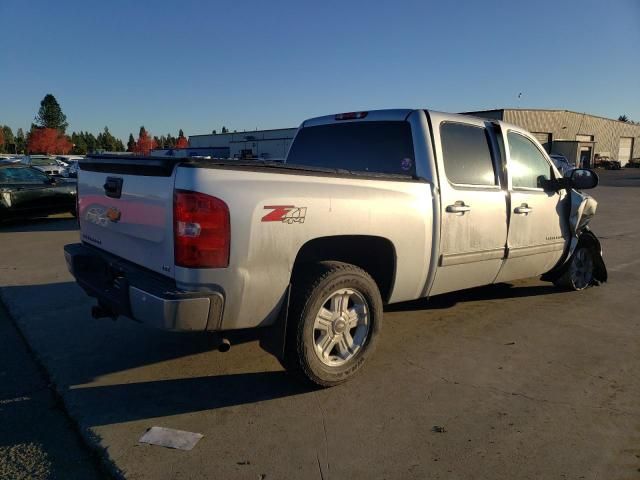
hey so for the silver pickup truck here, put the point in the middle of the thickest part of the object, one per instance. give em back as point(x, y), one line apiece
point(370, 208)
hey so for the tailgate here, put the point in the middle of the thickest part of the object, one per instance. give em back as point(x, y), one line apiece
point(126, 208)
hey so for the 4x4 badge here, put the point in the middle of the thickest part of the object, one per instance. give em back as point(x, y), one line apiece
point(285, 214)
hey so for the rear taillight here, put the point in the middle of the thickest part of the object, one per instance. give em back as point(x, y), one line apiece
point(201, 230)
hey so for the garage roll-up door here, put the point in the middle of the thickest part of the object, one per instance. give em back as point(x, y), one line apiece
point(624, 152)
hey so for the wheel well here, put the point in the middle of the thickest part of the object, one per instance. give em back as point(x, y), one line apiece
point(375, 255)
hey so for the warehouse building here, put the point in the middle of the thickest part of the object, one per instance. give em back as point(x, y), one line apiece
point(265, 144)
point(580, 137)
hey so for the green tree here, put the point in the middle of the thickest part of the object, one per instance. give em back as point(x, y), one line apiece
point(21, 141)
point(106, 141)
point(131, 143)
point(8, 144)
point(91, 142)
point(119, 145)
point(50, 114)
point(9, 139)
point(79, 144)
point(225, 130)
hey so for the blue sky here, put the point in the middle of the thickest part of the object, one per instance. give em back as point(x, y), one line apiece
point(268, 64)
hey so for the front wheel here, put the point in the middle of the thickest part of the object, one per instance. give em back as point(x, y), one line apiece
point(579, 273)
point(336, 314)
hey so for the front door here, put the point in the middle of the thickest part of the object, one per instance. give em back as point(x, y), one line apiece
point(538, 223)
point(472, 204)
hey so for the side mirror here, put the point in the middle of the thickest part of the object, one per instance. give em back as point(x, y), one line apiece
point(583, 179)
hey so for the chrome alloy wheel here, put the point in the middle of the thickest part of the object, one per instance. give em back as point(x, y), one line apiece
point(581, 269)
point(341, 327)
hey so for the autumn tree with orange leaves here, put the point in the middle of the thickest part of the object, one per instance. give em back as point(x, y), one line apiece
point(182, 141)
point(48, 141)
point(145, 143)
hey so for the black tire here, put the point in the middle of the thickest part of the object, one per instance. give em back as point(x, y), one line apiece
point(312, 290)
point(579, 273)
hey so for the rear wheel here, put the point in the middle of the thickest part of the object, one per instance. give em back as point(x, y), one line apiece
point(579, 274)
point(336, 314)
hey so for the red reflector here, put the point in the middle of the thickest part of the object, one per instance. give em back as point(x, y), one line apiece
point(201, 230)
point(351, 115)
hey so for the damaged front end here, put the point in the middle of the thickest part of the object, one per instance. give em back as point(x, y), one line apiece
point(582, 209)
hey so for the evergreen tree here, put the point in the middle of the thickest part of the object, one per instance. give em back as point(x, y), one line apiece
point(225, 130)
point(50, 114)
point(131, 143)
point(79, 145)
point(106, 141)
point(180, 133)
point(119, 145)
point(21, 141)
point(8, 144)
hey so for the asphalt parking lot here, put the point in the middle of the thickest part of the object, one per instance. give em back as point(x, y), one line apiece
point(509, 381)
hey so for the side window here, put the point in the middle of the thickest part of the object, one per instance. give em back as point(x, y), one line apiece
point(466, 154)
point(528, 164)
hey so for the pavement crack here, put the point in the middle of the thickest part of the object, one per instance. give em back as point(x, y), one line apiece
point(326, 440)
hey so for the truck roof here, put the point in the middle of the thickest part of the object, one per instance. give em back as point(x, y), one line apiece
point(388, 115)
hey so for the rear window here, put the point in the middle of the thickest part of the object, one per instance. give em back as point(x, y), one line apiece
point(375, 147)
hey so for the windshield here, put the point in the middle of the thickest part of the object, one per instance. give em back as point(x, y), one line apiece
point(375, 147)
point(43, 161)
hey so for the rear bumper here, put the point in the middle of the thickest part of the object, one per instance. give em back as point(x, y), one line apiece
point(123, 288)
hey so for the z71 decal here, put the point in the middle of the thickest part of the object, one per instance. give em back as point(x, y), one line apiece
point(285, 214)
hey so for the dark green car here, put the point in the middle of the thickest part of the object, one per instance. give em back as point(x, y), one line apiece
point(26, 192)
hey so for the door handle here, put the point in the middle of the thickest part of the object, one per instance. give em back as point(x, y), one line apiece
point(523, 209)
point(458, 207)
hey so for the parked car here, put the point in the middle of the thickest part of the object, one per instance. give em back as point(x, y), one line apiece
point(28, 192)
point(607, 163)
point(46, 164)
point(633, 163)
point(369, 208)
point(561, 163)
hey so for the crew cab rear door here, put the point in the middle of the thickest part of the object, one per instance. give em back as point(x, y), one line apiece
point(473, 208)
point(538, 227)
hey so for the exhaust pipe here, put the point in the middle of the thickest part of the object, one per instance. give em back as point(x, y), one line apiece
point(224, 345)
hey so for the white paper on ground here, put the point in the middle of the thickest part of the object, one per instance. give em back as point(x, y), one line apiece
point(170, 438)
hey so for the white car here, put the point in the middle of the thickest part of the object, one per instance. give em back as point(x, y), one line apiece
point(49, 165)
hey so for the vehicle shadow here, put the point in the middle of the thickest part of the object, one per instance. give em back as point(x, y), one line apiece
point(79, 351)
point(45, 224)
point(497, 291)
point(160, 398)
